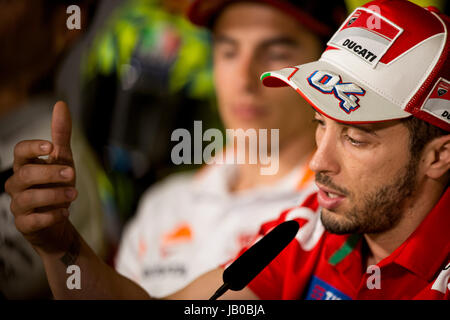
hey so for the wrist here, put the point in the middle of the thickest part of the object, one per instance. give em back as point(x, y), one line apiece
point(58, 242)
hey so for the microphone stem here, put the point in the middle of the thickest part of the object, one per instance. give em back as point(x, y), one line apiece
point(219, 292)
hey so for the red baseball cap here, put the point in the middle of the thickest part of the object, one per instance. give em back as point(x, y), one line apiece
point(389, 60)
point(309, 13)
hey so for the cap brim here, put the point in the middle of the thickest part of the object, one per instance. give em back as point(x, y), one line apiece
point(362, 106)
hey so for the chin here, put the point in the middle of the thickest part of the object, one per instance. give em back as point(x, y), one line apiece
point(246, 124)
point(337, 223)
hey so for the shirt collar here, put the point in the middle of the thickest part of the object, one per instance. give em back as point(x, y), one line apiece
point(423, 253)
point(214, 180)
point(428, 247)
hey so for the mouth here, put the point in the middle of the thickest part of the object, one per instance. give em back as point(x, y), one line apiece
point(329, 198)
point(248, 111)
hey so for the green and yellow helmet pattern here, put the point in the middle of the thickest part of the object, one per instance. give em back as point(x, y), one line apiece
point(145, 29)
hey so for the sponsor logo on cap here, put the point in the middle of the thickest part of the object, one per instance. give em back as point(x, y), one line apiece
point(438, 101)
point(441, 92)
point(346, 92)
point(360, 50)
point(353, 18)
point(364, 38)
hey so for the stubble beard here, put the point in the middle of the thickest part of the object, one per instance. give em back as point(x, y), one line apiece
point(378, 211)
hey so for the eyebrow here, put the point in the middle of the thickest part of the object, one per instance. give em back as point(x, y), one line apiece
point(368, 128)
point(264, 45)
point(221, 38)
point(279, 41)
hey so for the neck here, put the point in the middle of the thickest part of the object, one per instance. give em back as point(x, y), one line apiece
point(414, 211)
point(292, 153)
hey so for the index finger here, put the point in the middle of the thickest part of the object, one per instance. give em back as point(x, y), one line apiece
point(28, 151)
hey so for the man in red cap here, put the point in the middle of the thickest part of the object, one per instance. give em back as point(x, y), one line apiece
point(382, 100)
point(379, 226)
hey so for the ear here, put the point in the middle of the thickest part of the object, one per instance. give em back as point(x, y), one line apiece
point(437, 157)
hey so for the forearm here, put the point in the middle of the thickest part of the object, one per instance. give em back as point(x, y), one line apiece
point(97, 279)
point(41, 191)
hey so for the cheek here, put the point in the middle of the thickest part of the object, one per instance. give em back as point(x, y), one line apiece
point(298, 108)
point(223, 85)
point(378, 170)
point(287, 108)
point(219, 79)
point(319, 134)
point(360, 179)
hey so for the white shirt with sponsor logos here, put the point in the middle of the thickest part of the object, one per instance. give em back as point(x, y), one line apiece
point(189, 224)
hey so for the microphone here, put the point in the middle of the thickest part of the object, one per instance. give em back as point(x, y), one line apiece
point(256, 258)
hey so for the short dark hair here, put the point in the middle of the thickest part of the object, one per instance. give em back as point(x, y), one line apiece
point(421, 132)
point(330, 18)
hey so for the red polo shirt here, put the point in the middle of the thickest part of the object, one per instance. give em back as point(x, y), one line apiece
point(321, 265)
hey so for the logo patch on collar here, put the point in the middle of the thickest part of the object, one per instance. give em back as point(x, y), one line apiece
point(320, 290)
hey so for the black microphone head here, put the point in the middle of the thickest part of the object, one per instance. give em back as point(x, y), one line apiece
point(256, 258)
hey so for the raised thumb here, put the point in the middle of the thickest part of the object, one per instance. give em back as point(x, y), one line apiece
point(61, 132)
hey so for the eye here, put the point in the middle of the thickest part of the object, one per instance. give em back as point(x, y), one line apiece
point(274, 58)
point(354, 142)
point(228, 54)
point(277, 56)
point(225, 51)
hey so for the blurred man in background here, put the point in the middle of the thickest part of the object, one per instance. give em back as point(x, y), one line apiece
point(35, 38)
point(190, 223)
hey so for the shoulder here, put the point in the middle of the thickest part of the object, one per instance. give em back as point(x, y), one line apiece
point(167, 196)
point(158, 206)
point(307, 214)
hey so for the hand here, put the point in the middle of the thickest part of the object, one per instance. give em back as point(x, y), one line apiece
point(41, 190)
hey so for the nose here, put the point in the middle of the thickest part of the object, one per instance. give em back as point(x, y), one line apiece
point(247, 72)
point(325, 159)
